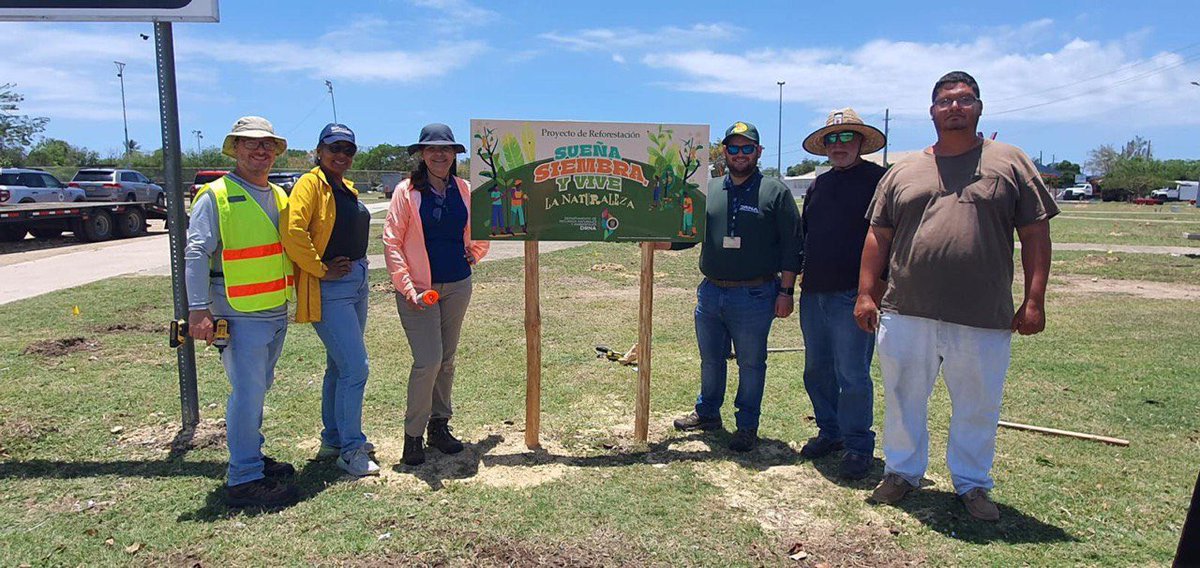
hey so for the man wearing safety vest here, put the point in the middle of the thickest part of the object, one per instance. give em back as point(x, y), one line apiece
point(236, 269)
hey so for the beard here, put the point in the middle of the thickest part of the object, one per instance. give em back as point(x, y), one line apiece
point(741, 171)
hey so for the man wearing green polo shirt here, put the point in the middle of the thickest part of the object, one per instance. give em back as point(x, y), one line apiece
point(749, 258)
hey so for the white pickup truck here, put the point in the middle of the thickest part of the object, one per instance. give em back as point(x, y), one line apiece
point(1079, 191)
point(1183, 191)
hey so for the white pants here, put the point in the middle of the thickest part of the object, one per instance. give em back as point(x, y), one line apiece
point(973, 362)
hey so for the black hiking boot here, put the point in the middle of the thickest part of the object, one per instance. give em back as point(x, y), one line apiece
point(855, 466)
point(275, 468)
point(265, 493)
point(694, 422)
point(414, 450)
point(441, 438)
point(744, 440)
point(820, 447)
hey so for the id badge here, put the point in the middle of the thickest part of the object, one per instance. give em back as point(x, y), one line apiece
point(732, 242)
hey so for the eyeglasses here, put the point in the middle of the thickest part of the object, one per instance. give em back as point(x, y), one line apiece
point(746, 149)
point(964, 101)
point(343, 148)
point(843, 137)
point(258, 143)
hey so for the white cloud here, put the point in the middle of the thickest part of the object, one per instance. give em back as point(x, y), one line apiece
point(457, 12)
point(1109, 80)
point(624, 39)
point(618, 58)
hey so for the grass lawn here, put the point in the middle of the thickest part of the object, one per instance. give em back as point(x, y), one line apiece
point(86, 476)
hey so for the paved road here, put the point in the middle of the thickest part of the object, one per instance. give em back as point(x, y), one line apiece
point(28, 274)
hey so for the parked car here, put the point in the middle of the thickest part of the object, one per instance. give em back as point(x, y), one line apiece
point(108, 184)
point(22, 185)
point(1079, 191)
point(203, 177)
point(284, 179)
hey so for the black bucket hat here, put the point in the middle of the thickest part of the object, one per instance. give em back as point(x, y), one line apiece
point(436, 134)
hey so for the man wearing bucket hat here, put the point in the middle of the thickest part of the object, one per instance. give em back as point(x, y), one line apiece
point(236, 269)
point(749, 258)
point(837, 354)
point(942, 223)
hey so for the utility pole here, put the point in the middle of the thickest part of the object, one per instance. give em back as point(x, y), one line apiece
point(124, 116)
point(199, 135)
point(779, 147)
point(329, 84)
point(887, 118)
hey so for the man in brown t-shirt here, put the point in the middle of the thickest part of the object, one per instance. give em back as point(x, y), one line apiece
point(943, 223)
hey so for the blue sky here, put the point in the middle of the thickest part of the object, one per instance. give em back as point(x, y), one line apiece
point(1058, 78)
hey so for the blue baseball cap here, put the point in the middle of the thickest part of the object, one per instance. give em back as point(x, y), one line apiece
point(334, 132)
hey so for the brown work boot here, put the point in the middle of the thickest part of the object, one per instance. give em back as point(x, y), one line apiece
point(979, 505)
point(891, 490)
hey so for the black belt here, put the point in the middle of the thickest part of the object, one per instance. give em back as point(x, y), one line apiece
point(215, 274)
point(741, 283)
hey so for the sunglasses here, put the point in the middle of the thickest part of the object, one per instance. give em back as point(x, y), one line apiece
point(842, 137)
point(343, 149)
point(439, 204)
point(746, 149)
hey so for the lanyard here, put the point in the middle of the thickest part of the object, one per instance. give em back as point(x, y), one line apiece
point(735, 195)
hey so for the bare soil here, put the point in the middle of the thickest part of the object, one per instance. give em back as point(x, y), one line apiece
point(61, 347)
point(1140, 288)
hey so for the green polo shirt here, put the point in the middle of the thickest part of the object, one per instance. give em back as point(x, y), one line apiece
point(767, 222)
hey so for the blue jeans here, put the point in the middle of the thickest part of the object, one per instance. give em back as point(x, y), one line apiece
point(837, 368)
point(249, 360)
point(743, 316)
point(343, 321)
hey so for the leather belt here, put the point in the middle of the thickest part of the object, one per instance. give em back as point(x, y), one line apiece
point(741, 283)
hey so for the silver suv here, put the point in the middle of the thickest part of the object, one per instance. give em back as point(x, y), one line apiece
point(104, 184)
point(21, 185)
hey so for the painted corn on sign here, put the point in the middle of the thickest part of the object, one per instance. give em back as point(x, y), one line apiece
point(588, 181)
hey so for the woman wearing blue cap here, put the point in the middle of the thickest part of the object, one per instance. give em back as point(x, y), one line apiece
point(325, 235)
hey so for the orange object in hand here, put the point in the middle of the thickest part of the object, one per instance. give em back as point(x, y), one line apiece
point(428, 297)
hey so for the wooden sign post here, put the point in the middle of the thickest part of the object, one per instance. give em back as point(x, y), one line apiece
point(533, 348)
point(641, 421)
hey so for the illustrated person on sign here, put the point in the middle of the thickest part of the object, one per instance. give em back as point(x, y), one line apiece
point(236, 269)
point(689, 217)
point(837, 354)
point(942, 224)
point(496, 193)
point(749, 257)
point(428, 248)
point(325, 235)
point(518, 205)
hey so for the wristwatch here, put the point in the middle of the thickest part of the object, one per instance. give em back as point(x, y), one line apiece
point(789, 291)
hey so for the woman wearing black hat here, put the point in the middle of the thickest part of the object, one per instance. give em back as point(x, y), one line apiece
point(428, 248)
point(325, 235)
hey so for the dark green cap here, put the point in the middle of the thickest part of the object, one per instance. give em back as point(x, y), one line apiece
point(741, 129)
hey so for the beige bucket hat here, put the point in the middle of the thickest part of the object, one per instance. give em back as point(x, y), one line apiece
point(252, 127)
point(843, 120)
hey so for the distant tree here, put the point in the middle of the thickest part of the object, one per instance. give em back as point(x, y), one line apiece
point(1101, 160)
point(1067, 170)
point(55, 152)
point(716, 158)
point(464, 167)
point(770, 172)
point(386, 157)
point(805, 166)
point(1138, 176)
point(1137, 148)
point(16, 131)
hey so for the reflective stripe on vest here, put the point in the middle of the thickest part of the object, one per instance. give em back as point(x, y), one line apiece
point(258, 274)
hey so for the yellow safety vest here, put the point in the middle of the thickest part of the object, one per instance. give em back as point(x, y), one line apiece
point(258, 274)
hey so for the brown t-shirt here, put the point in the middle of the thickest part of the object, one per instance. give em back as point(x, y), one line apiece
point(953, 217)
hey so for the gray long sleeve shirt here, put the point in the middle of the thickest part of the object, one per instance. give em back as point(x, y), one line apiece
point(202, 254)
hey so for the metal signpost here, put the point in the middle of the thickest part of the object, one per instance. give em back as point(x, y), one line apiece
point(161, 13)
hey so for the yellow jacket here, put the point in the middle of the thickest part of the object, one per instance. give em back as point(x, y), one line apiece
point(308, 224)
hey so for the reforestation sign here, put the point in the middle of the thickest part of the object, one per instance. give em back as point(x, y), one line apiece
point(588, 181)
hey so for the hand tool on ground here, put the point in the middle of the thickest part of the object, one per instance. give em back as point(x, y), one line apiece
point(1067, 433)
point(770, 350)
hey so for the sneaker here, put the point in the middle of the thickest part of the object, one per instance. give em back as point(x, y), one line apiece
point(358, 463)
point(694, 421)
point(744, 440)
point(414, 450)
point(441, 438)
point(263, 492)
point(329, 451)
point(276, 468)
point(979, 505)
point(891, 490)
point(854, 466)
point(820, 447)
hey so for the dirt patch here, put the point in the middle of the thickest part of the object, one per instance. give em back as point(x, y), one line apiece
point(131, 328)
point(598, 549)
point(61, 347)
point(1140, 288)
point(20, 433)
point(209, 433)
point(608, 267)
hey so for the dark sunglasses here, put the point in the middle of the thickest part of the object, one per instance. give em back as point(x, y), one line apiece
point(744, 149)
point(343, 148)
point(843, 137)
point(439, 204)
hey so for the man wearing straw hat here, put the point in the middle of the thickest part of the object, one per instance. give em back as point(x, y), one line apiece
point(942, 223)
point(837, 354)
point(236, 269)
